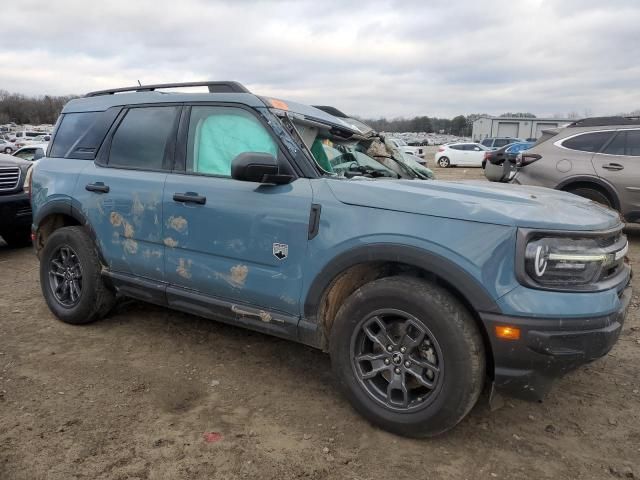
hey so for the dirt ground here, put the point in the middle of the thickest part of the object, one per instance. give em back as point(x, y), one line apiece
point(134, 395)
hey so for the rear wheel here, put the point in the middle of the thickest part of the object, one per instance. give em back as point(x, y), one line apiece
point(408, 356)
point(444, 162)
point(592, 194)
point(70, 277)
point(8, 150)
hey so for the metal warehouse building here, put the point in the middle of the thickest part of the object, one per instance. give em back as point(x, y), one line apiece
point(516, 127)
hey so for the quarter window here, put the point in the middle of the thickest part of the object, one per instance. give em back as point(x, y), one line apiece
point(587, 142)
point(142, 137)
point(72, 127)
point(217, 135)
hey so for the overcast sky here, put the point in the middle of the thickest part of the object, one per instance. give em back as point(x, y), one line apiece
point(370, 58)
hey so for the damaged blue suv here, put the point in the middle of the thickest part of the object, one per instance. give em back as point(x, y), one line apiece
point(279, 217)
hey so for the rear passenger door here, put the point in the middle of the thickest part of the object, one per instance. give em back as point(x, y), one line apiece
point(236, 241)
point(619, 164)
point(121, 192)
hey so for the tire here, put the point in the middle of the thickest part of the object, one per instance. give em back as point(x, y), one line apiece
point(592, 194)
point(444, 162)
point(455, 347)
point(93, 299)
point(8, 150)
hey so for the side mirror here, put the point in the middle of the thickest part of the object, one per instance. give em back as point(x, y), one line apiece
point(38, 155)
point(257, 167)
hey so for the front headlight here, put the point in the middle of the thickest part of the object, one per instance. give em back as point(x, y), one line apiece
point(568, 261)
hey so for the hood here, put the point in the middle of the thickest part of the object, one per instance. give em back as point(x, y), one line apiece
point(10, 161)
point(502, 204)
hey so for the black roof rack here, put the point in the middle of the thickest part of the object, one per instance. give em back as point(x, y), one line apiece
point(605, 121)
point(331, 111)
point(214, 87)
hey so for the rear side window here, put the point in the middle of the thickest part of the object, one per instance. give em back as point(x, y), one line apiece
point(487, 142)
point(72, 127)
point(217, 135)
point(501, 142)
point(456, 147)
point(625, 143)
point(587, 142)
point(142, 137)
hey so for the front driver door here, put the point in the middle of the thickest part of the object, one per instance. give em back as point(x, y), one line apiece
point(240, 242)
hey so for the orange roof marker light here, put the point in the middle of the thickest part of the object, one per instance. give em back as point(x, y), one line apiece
point(507, 333)
point(279, 104)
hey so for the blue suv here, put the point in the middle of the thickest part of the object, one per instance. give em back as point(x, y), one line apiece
point(270, 215)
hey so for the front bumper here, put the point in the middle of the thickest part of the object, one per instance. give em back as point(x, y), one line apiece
point(15, 210)
point(549, 347)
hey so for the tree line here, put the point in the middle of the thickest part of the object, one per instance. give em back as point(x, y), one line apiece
point(460, 125)
point(23, 109)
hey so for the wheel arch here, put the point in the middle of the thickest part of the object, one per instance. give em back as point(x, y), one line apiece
point(597, 183)
point(356, 267)
point(55, 215)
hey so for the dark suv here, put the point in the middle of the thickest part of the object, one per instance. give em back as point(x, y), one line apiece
point(15, 210)
point(271, 215)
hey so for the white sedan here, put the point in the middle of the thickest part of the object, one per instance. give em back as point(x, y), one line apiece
point(468, 154)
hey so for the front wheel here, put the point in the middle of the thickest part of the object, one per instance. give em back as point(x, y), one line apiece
point(408, 355)
point(70, 277)
point(444, 162)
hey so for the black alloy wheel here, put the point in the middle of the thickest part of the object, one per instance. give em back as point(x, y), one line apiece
point(397, 360)
point(65, 276)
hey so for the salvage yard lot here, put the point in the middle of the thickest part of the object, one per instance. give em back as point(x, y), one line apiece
point(133, 395)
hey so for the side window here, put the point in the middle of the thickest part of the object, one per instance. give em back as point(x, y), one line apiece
point(141, 138)
point(456, 147)
point(633, 143)
point(487, 142)
point(26, 154)
point(217, 135)
point(626, 142)
point(72, 127)
point(617, 145)
point(501, 142)
point(587, 142)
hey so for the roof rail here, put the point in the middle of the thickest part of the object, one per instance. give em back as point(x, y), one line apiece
point(605, 121)
point(214, 87)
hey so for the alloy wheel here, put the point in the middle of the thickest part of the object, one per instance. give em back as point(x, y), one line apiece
point(65, 276)
point(397, 360)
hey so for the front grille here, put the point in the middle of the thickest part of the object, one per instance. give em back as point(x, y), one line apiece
point(9, 178)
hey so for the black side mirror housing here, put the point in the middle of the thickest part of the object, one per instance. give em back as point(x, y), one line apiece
point(258, 167)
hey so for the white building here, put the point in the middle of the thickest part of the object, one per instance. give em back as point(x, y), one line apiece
point(515, 127)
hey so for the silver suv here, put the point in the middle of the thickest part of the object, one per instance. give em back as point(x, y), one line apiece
point(596, 158)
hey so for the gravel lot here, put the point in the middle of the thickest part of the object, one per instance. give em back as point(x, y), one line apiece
point(134, 395)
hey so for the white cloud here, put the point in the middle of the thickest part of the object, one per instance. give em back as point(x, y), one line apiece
point(375, 58)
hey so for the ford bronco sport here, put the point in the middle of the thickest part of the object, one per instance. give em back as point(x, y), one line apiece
point(226, 205)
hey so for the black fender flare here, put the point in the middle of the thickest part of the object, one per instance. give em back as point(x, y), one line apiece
point(611, 191)
point(65, 207)
point(470, 288)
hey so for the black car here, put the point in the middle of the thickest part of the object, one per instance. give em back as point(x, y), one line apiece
point(15, 207)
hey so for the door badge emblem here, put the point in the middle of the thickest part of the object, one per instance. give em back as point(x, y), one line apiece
point(280, 250)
